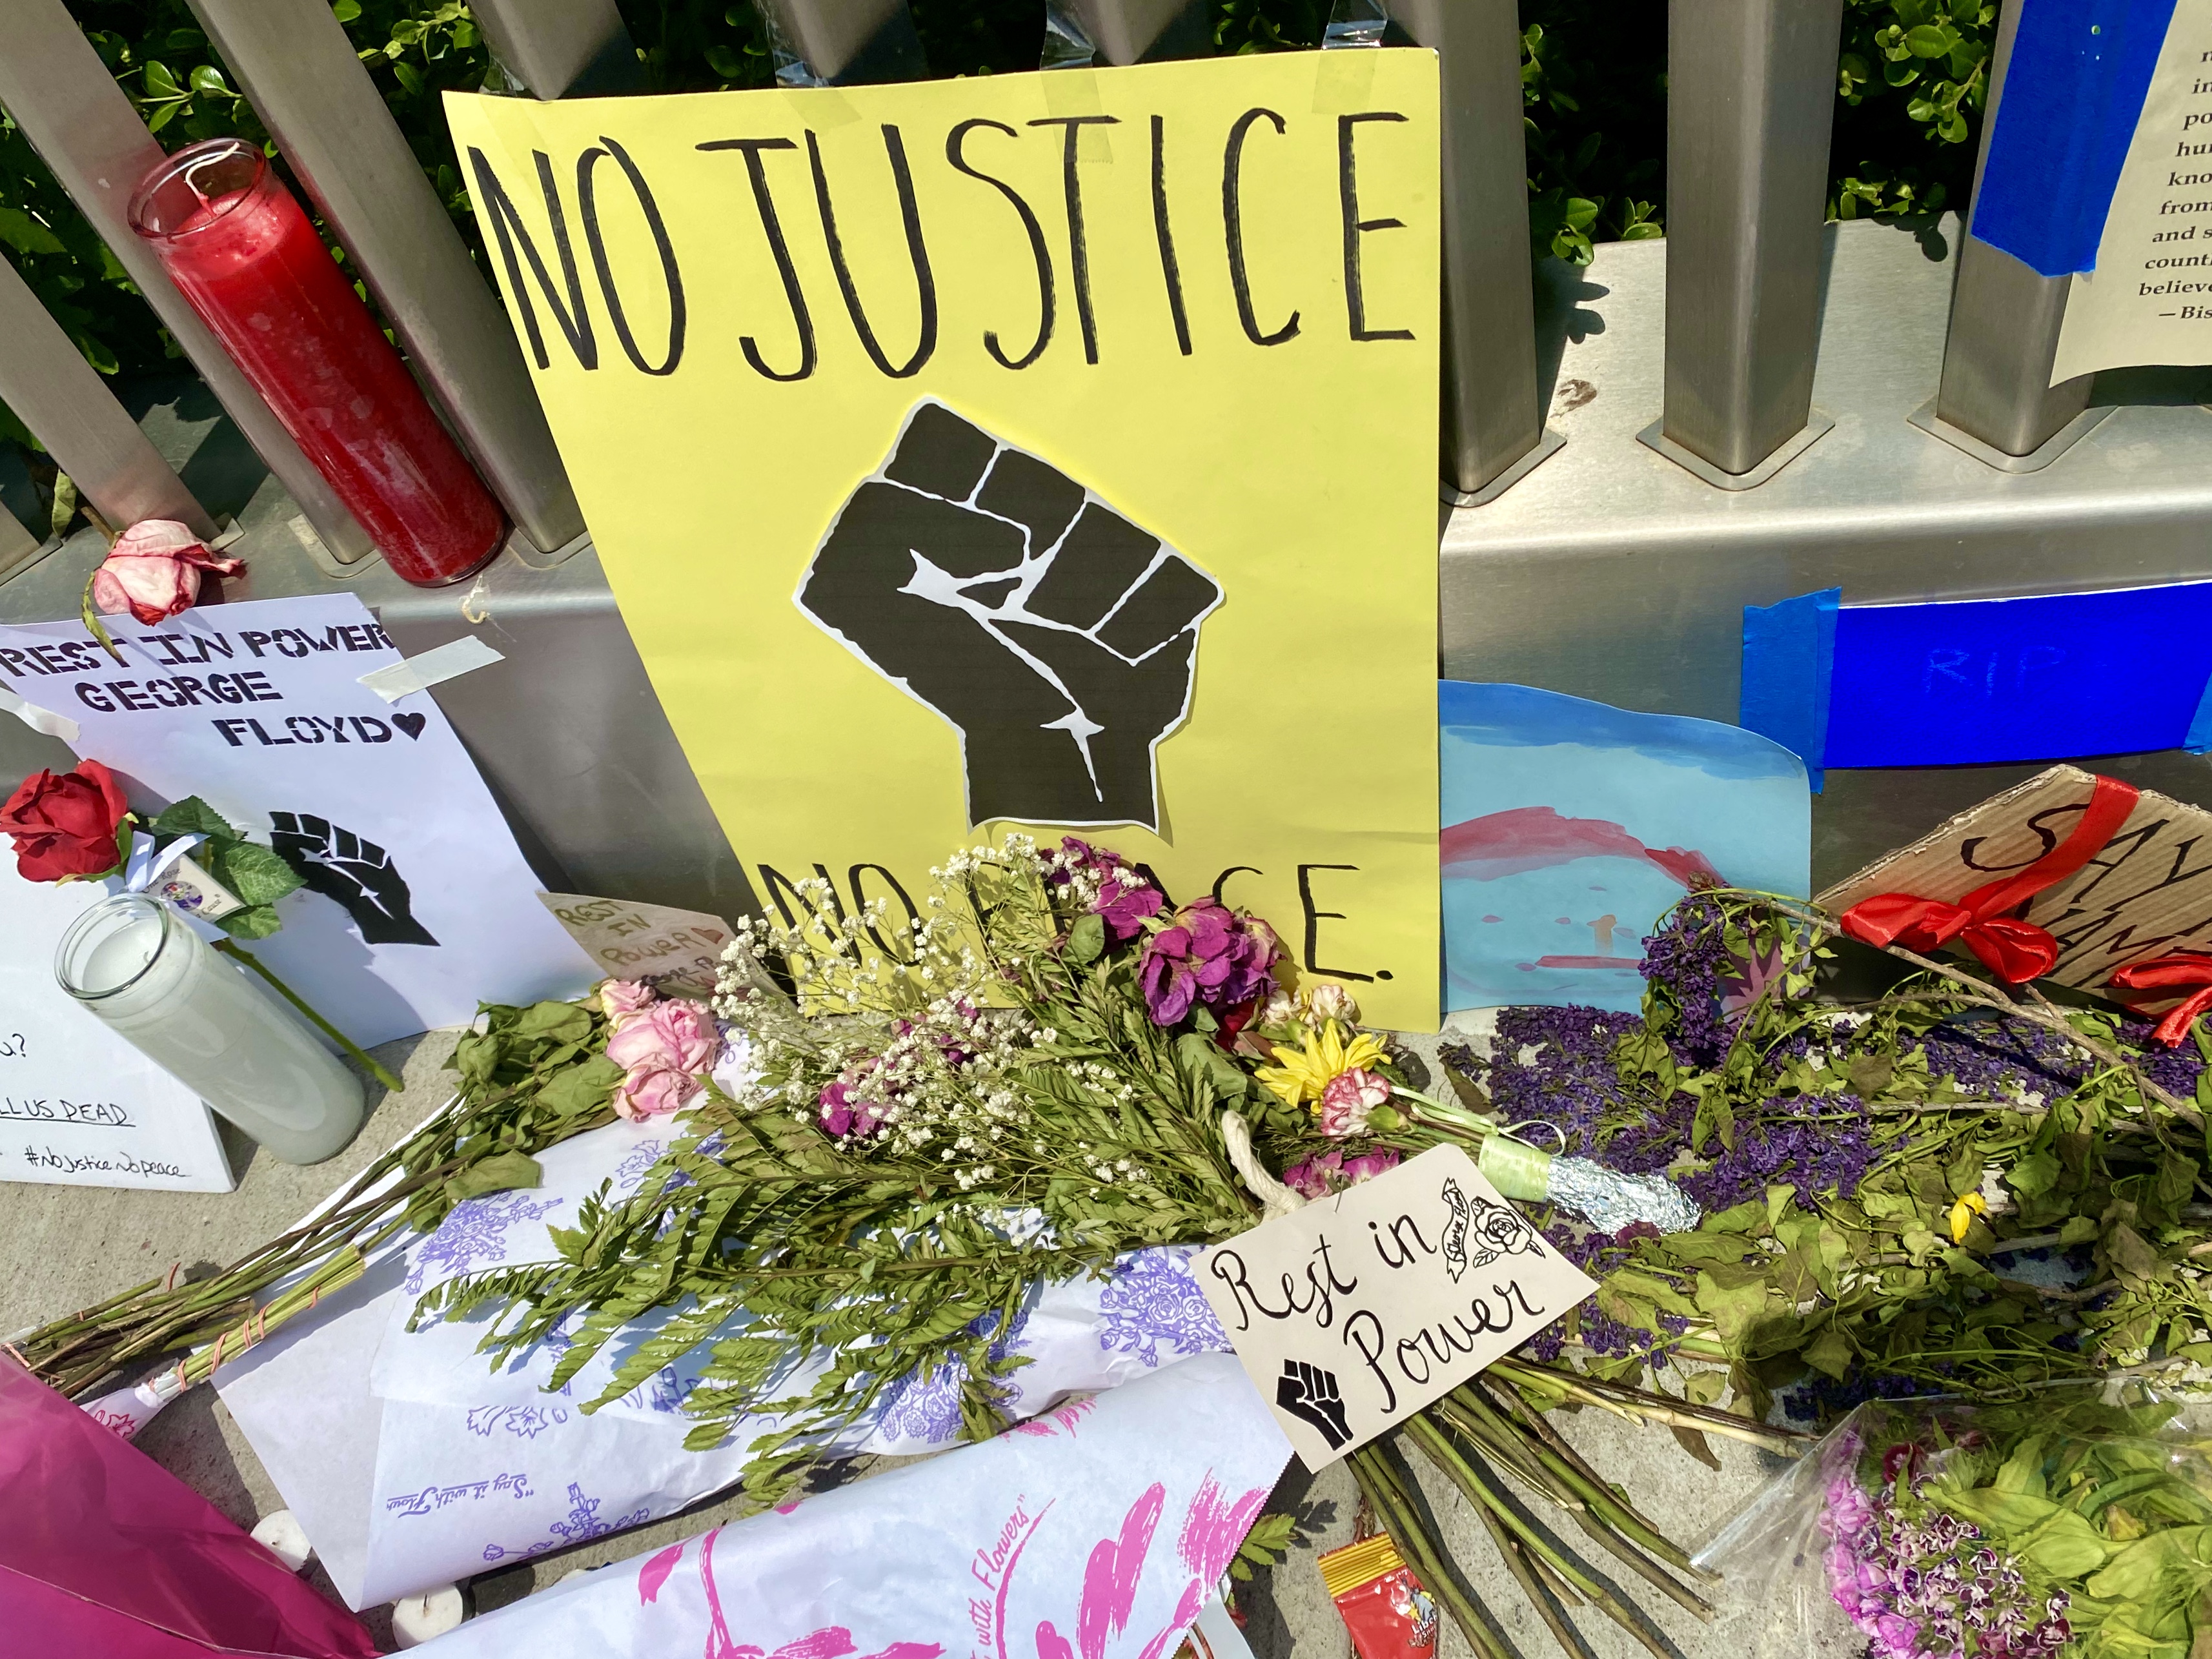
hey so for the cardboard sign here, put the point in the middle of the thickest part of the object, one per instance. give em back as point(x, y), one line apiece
point(418, 903)
point(80, 1106)
point(1358, 1310)
point(1051, 450)
point(2149, 892)
point(676, 951)
point(2149, 299)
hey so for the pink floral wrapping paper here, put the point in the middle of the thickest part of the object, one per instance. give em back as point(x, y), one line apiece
point(1098, 1530)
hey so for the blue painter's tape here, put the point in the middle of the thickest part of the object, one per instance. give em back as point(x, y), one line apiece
point(2073, 92)
point(1789, 658)
point(2199, 738)
point(2054, 677)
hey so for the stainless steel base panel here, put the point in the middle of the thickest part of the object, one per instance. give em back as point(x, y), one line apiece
point(1611, 573)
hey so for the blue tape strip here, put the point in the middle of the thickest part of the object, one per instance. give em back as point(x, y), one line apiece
point(1789, 664)
point(2199, 738)
point(2074, 90)
point(2056, 677)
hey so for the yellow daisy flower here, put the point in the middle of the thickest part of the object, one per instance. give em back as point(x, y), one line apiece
point(1302, 1073)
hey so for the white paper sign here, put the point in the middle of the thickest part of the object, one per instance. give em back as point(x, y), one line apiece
point(2150, 299)
point(1356, 1311)
point(678, 950)
point(419, 903)
point(80, 1106)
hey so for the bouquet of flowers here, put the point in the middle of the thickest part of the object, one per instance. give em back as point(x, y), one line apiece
point(1054, 1066)
point(2076, 1521)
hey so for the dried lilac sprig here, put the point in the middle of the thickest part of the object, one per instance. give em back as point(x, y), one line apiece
point(1923, 1585)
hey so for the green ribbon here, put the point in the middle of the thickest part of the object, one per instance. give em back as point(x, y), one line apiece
point(1514, 1168)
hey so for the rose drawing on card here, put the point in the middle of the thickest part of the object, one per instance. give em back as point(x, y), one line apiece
point(1057, 635)
point(1479, 1231)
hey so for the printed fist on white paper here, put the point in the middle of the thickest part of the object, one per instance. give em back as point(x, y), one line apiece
point(1057, 635)
point(356, 872)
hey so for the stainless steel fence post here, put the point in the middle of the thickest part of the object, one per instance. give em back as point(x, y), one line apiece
point(1751, 94)
point(54, 391)
point(1493, 431)
point(70, 109)
point(1996, 400)
point(294, 62)
point(1124, 31)
point(561, 48)
point(848, 42)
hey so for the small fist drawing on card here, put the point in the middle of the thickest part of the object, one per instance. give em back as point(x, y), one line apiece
point(1057, 636)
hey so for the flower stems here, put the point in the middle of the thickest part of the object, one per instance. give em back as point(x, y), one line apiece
point(231, 948)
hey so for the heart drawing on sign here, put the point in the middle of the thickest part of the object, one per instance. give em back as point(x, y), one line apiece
point(412, 725)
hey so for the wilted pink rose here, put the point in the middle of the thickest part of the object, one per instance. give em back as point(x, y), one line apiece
point(1348, 1099)
point(668, 1036)
point(619, 998)
point(651, 1092)
point(154, 572)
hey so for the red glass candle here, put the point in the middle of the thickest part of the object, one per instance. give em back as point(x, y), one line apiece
point(238, 247)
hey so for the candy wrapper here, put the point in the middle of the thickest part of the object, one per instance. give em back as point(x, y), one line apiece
point(1102, 1527)
point(103, 1552)
point(2074, 1520)
point(411, 1464)
point(1383, 1606)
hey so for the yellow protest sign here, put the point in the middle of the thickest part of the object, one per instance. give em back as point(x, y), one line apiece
point(1052, 450)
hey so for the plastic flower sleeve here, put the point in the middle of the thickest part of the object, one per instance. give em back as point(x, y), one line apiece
point(2073, 1520)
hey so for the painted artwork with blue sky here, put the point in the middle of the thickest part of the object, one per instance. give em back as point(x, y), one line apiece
point(1571, 826)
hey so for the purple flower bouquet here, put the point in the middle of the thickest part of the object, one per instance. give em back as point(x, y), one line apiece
point(2067, 1522)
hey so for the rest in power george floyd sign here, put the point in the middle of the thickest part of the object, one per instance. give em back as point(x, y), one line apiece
point(1051, 450)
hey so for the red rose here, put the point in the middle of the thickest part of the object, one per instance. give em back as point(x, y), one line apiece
point(65, 826)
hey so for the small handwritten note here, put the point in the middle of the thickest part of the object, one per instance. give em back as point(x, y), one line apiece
point(1356, 1311)
point(676, 950)
point(78, 1105)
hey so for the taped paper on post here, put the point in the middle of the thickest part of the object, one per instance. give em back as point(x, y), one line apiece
point(1061, 470)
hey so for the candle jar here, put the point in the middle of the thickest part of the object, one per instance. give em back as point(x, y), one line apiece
point(239, 249)
point(142, 971)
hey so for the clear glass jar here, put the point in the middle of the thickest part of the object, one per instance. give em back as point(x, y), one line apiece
point(153, 981)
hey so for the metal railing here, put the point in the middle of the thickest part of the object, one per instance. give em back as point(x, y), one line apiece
point(45, 378)
point(83, 127)
point(1718, 329)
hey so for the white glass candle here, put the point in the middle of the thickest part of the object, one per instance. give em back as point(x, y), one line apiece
point(158, 984)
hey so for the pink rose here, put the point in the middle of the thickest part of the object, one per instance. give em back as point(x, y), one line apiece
point(154, 572)
point(1348, 1099)
point(622, 997)
point(653, 1092)
point(666, 1036)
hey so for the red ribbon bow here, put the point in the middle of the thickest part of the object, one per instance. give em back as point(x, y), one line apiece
point(2181, 970)
point(2014, 951)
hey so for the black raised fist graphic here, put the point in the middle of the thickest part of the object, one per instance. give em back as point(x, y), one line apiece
point(1309, 1393)
point(1058, 636)
point(359, 874)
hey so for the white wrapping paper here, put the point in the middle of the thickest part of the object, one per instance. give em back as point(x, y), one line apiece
point(411, 1464)
point(1098, 1530)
